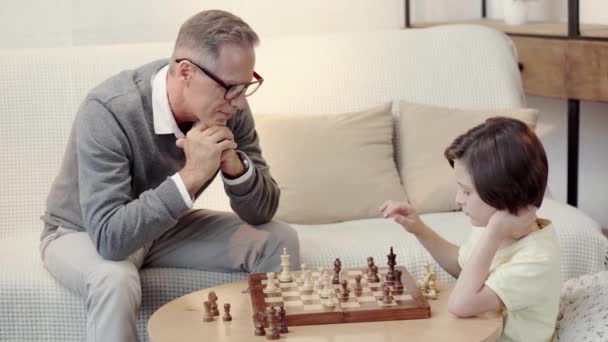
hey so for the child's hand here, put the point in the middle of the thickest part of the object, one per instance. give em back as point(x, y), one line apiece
point(507, 225)
point(404, 214)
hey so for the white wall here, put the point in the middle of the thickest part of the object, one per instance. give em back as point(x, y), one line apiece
point(38, 23)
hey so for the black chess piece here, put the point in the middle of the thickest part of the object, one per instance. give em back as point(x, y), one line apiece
point(213, 303)
point(345, 291)
point(273, 329)
point(374, 278)
point(386, 299)
point(390, 276)
point(370, 265)
point(282, 321)
point(207, 315)
point(398, 285)
point(227, 316)
point(258, 323)
point(337, 269)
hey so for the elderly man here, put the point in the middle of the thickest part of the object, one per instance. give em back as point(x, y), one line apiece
point(146, 143)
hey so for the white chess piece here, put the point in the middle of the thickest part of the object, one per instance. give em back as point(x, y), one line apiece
point(308, 284)
point(270, 285)
point(285, 276)
point(304, 267)
point(319, 281)
point(330, 302)
point(328, 289)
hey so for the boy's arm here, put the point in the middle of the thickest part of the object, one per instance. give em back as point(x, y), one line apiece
point(470, 295)
point(443, 251)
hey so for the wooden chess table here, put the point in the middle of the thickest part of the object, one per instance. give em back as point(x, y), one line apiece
point(182, 320)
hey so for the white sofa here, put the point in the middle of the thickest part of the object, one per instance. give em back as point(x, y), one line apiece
point(460, 66)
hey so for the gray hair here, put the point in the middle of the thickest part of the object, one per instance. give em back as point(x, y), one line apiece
point(202, 35)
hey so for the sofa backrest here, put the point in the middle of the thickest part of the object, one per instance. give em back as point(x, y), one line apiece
point(457, 66)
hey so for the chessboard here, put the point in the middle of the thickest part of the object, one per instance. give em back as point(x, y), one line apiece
point(304, 307)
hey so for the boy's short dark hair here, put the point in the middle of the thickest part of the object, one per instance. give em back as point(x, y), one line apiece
point(507, 163)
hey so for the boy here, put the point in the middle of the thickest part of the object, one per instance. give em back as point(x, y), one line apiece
point(511, 260)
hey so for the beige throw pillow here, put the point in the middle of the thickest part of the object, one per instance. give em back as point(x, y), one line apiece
point(333, 167)
point(425, 132)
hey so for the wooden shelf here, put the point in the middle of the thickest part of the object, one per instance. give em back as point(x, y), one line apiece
point(535, 28)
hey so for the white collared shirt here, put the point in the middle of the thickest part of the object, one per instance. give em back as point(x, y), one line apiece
point(164, 123)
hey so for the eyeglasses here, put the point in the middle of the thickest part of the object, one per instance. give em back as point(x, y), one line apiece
point(232, 91)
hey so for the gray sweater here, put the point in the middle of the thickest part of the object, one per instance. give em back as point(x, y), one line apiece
point(114, 179)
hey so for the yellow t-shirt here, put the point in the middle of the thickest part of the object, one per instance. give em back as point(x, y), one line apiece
point(526, 277)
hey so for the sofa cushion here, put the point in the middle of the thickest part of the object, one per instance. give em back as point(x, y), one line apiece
point(331, 167)
point(425, 132)
point(583, 309)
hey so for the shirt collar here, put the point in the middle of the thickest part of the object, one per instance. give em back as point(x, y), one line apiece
point(164, 121)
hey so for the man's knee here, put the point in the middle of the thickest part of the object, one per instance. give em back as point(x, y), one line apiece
point(117, 283)
point(282, 235)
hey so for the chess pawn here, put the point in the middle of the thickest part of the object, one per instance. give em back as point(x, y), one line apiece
point(370, 265)
point(374, 278)
point(303, 268)
point(387, 299)
point(258, 324)
point(345, 291)
point(328, 302)
point(358, 287)
point(227, 316)
point(398, 285)
point(282, 321)
point(308, 284)
point(207, 315)
point(327, 290)
point(273, 329)
point(271, 287)
point(319, 281)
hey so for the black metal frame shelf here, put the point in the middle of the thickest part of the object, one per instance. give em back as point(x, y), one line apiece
point(573, 104)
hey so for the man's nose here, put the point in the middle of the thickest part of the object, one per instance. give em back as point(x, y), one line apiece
point(239, 101)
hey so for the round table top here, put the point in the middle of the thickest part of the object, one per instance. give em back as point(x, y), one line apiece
point(182, 320)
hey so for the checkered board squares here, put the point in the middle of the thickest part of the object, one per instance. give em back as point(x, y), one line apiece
point(305, 307)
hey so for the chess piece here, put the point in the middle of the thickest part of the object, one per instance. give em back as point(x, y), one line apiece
point(398, 285)
point(374, 277)
point(273, 329)
point(358, 287)
point(213, 303)
point(227, 316)
point(327, 290)
point(387, 299)
point(285, 276)
point(258, 324)
point(271, 287)
point(304, 268)
point(390, 276)
point(329, 302)
point(337, 269)
point(370, 265)
point(207, 315)
point(319, 281)
point(282, 321)
point(428, 283)
point(308, 284)
point(345, 291)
